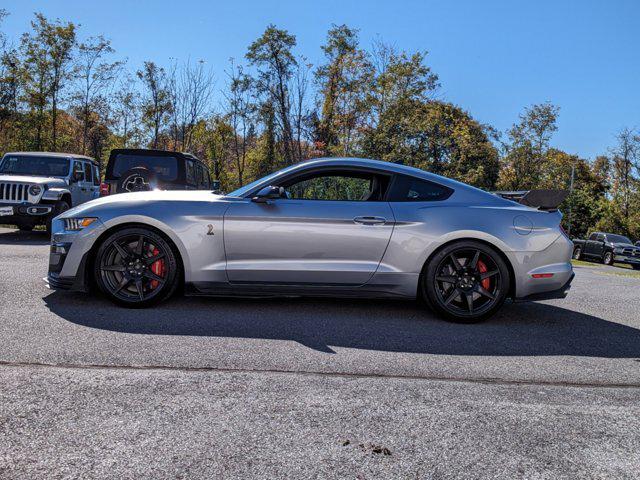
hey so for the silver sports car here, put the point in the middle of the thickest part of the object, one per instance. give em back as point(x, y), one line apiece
point(326, 227)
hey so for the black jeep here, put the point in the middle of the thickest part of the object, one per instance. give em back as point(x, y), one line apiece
point(134, 170)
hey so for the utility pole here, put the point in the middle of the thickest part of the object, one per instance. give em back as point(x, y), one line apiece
point(573, 169)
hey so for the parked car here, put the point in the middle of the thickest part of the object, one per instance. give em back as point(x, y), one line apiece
point(37, 186)
point(135, 170)
point(607, 248)
point(325, 227)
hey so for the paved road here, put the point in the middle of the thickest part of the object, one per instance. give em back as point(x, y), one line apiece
point(314, 388)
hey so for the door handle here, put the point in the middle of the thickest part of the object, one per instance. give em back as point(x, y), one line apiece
point(370, 220)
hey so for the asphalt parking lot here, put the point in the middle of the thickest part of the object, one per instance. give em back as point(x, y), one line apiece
point(305, 388)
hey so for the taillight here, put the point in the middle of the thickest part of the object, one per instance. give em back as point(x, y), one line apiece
point(104, 189)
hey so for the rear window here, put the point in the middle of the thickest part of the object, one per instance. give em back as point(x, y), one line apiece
point(408, 189)
point(166, 168)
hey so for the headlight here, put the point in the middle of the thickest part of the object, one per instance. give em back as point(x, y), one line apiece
point(75, 224)
point(35, 190)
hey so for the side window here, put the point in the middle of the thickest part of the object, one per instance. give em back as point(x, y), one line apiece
point(204, 177)
point(96, 175)
point(593, 236)
point(600, 237)
point(409, 189)
point(190, 168)
point(78, 171)
point(336, 187)
point(88, 172)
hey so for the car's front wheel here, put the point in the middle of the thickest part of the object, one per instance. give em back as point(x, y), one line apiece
point(467, 281)
point(136, 267)
point(608, 258)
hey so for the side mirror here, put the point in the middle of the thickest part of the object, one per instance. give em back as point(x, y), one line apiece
point(268, 193)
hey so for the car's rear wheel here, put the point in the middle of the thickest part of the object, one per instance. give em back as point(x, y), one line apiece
point(577, 253)
point(467, 281)
point(136, 267)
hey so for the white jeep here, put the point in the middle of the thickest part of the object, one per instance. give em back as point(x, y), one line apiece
point(37, 186)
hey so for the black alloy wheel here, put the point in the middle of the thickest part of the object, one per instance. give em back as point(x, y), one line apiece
point(466, 282)
point(136, 267)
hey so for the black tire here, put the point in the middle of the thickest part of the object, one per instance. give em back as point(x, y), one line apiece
point(123, 267)
point(459, 293)
point(25, 228)
point(607, 258)
point(577, 253)
point(58, 208)
point(138, 179)
point(635, 267)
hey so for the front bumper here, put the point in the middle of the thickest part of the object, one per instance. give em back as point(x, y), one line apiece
point(629, 260)
point(68, 256)
point(24, 213)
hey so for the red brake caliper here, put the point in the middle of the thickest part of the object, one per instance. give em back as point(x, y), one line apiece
point(157, 267)
point(486, 283)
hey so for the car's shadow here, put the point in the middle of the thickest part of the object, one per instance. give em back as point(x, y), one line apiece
point(16, 237)
point(517, 330)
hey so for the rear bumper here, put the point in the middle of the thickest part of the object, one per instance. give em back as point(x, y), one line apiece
point(561, 292)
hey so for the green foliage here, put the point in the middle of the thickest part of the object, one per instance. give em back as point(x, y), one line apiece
point(58, 92)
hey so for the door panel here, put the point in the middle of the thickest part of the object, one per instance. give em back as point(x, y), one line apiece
point(306, 241)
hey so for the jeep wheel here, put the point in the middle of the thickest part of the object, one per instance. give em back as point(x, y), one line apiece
point(608, 258)
point(135, 267)
point(577, 253)
point(58, 208)
point(465, 282)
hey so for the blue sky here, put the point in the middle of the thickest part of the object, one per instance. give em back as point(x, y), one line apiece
point(493, 57)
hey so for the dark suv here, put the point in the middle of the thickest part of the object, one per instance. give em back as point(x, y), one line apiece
point(134, 170)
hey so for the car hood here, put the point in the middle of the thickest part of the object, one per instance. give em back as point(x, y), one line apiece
point(623, 245)
point(51, 181)
point(128, 200)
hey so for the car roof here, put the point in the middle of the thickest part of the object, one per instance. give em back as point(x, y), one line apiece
point(386, 166)
point(55, 155)
point(150, 152)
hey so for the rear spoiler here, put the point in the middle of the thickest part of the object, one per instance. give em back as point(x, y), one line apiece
point(548, 200)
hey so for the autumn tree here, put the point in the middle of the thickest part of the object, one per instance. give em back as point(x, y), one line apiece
point(344, 82)
point(527, 145)
point(94, 75)
point(272, 55)
point(156, 103)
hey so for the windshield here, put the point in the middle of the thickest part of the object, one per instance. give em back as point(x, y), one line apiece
point(617, 239)
point(36, 166)
point(166, 168)
point(242, 191)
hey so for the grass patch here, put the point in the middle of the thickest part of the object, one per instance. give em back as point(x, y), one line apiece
point(625, 270)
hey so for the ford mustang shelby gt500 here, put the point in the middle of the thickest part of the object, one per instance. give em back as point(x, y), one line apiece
point(325, 227)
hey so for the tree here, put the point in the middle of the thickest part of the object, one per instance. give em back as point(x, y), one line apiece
point(343, 83)
point(435, 136)
point(272, 55)
point(94, 75)
point(625, 168)
point(126, 106)
point(156, 104)
point(59, 40)
point(240, 109)
point(527, 147)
